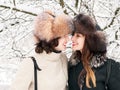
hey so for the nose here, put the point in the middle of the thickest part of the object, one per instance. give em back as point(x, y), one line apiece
point(72, 38)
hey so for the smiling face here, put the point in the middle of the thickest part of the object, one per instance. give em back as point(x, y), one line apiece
point(62, 43)
point(78, 41)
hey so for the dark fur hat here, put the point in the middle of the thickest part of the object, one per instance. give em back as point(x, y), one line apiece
point(95, 40)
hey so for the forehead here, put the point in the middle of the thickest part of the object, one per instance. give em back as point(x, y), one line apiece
point(77, 33)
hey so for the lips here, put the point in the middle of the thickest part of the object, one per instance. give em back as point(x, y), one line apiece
point(74, 44)
point(64, 45)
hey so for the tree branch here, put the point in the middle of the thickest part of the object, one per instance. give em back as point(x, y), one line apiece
point(14, 2)
point(62, 3)
point(19, 10)
point(74, 11)
point(65, 4)
point(112, 21)
point(76, 3)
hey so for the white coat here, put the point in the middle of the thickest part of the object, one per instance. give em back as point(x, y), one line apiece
point(53, 75)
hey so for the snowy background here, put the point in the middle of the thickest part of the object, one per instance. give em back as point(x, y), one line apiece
point(16, 25)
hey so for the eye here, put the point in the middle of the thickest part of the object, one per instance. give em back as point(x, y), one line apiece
point(79, 35)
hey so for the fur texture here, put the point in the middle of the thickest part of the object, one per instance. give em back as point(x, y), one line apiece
point(48, 26)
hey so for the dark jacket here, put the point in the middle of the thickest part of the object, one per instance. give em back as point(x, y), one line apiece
point(101, 75)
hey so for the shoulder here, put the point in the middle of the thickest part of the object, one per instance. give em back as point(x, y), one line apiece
point(114, 63)
point(27, 60)
point(25, 67)
point(26, 63)
point(23, 76)
point(115, 68)
point(63, 56)
point(114, 75)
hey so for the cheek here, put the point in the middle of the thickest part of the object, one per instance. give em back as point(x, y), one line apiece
point(63, 41)
point(62, 46)
point(81, 44)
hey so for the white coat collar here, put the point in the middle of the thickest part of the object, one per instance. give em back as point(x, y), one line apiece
point(49, 57)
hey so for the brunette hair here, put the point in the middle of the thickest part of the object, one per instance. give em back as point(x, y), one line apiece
point(48, 47)
point(95, 43)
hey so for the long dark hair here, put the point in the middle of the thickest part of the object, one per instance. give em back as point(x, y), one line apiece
point(95, 43)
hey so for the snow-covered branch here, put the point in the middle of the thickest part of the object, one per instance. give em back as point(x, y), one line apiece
point(112, 21)
point(17, 9)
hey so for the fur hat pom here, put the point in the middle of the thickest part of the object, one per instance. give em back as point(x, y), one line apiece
point(63, 25)
point(48, 26)
point(43, 26)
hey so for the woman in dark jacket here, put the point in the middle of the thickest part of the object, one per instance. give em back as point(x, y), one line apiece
point(90, 69)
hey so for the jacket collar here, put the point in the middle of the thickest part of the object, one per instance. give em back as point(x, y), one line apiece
point(96, 61)
point(49, 57)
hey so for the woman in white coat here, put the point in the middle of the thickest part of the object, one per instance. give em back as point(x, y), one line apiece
point(51, 34)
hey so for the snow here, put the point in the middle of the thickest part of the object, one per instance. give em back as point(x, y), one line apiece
point(16, 40)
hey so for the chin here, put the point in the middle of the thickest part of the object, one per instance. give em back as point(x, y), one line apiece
point(64, 48)
point(74, 49)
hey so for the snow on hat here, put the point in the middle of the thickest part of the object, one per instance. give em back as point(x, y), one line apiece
point(48, 26)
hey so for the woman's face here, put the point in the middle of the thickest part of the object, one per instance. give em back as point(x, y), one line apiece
point(78, 41)
point(62, 43)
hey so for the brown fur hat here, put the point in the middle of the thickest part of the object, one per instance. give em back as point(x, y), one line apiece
point(48, 26)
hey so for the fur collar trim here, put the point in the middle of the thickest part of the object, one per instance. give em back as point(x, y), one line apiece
point(96, 61)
